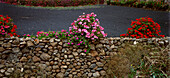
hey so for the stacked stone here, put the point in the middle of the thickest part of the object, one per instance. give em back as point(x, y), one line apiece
point(52, 58)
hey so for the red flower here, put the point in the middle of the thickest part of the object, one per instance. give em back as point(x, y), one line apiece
point(136, 31)
point(15, 27)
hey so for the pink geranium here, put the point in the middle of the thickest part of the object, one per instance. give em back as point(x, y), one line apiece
point(93, 31)
point(86, 26)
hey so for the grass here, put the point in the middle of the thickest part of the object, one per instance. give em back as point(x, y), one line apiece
point(131, 58)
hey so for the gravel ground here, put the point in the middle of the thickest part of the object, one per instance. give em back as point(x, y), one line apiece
point(115, 19)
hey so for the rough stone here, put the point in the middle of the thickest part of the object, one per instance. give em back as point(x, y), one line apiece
point(94, 53)
point(92, 46)
point(103, 73)
point(99, 64)
point(7, 45)
point(99, 46)
point(96, 74)
point(16, 50)
point(52, 40)
point(36, 59)
point(113, 46)
point(75, 53)
point(54, 44)
point(42, 66)
point(29, 44)
point(70, 56)
point(2, 66)
point(1, 49)
point(2, 70)
point(66, 74)
point(55, 67)
point(7, 74)
point(23, 43)
point(25, 50)
point(99, 69)
point(23, 59)
point(64, 66)
point(90, 74)
point(45, 56)
point(10, 70)
point(92, 66)
point(60, 75)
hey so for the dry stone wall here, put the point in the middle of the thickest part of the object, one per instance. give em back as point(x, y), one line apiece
point(51, 58)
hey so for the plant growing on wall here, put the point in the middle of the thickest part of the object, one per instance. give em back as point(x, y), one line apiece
point(7, 27)
point(143, 27)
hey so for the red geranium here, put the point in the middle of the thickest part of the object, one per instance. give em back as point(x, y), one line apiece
point(7, 28)
point(143, 27)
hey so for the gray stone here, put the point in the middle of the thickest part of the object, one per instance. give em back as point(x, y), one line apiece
point(93, 71)
point(16, 50)
point(42, 66)
point(1, 42)
point(65, 45)
point(8, 45)
point(90, 74)
point(27, 71)
point(29, 43)
point(60, 43)
point(99, 64)
point(99, 46)
point(92, 66)
point(45, 56)
point(1, 75)
point(49, 68)
point(51, 40)
point(60, 75)
point(2, 66)
point(79, 50)
point(96, 74)
point(92, 46)
point(25, 50)
point(75, 53)
point(55, 67)
point(99, 69)
point(113, 46)
point(10, 70)
point(68, 70)
point(2, 70)
point(54, 44)
point(58, 40)
point(23, 43)
point(7, 74)
point(70, 56)
point(66, 74)
point(7, 51)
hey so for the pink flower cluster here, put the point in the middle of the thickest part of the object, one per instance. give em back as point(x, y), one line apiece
point(88, 26)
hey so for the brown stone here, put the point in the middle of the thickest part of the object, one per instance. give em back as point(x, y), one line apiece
point(36, 59)
point(1, 49)
point(45, 56)
point(38, 49)
point(60, 75)
point(94, 53)
point(54, 44)
point(37, 41)
point(23, 59)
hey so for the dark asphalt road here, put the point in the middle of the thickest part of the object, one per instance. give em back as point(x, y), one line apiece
point(115, 19)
